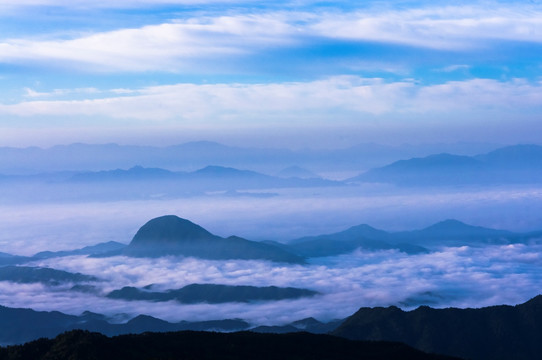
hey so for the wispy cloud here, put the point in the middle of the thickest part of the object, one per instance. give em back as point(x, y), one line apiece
point(164, 47)
point(172, 46)
point(450, 27)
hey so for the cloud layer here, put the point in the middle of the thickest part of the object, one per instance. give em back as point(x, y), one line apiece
point(462, 277)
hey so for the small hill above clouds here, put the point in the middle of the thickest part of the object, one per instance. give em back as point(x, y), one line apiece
point(213, 294)
point(170, 230)
point(171, 235)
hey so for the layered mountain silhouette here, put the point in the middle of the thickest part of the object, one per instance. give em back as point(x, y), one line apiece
point(85, 345)
point(171, 235)
point(96, 157)
point(496, 332)
point(212, 293)
point(519, 164)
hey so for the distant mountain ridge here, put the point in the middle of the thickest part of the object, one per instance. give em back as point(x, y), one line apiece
point(444, 233)
point(193, 155)
point(519, 164)
point(171, 235)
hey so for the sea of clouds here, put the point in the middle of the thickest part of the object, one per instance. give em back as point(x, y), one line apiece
point(461, 277)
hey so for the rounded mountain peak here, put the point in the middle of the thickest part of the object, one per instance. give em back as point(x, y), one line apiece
point(169, 229)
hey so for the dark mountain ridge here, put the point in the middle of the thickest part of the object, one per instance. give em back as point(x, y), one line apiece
point(496, 332)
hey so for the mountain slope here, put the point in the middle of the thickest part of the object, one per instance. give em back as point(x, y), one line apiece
point(497, 332)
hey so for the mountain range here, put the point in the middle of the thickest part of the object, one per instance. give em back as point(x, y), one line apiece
point(495, 332)
point(171, 235)
point(519, 164)
point(207, 178)
point(193, 155)
point(513, 165)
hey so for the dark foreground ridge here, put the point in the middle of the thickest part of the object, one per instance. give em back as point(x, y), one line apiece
point(84, 345)
point(492, 333)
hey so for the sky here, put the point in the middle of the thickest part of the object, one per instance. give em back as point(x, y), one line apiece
point(273, 73)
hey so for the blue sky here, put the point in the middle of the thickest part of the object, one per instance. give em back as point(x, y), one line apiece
point(259, 72)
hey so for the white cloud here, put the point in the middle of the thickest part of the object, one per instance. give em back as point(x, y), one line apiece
point(340, 99)
point(451, 27)
point(164, 47)
point(30, 93)
point(464, 277)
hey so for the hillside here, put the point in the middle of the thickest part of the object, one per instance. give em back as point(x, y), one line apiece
point(490, 333)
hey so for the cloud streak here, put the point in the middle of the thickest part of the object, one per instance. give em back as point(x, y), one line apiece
point(177, 45)
point(344, 97)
